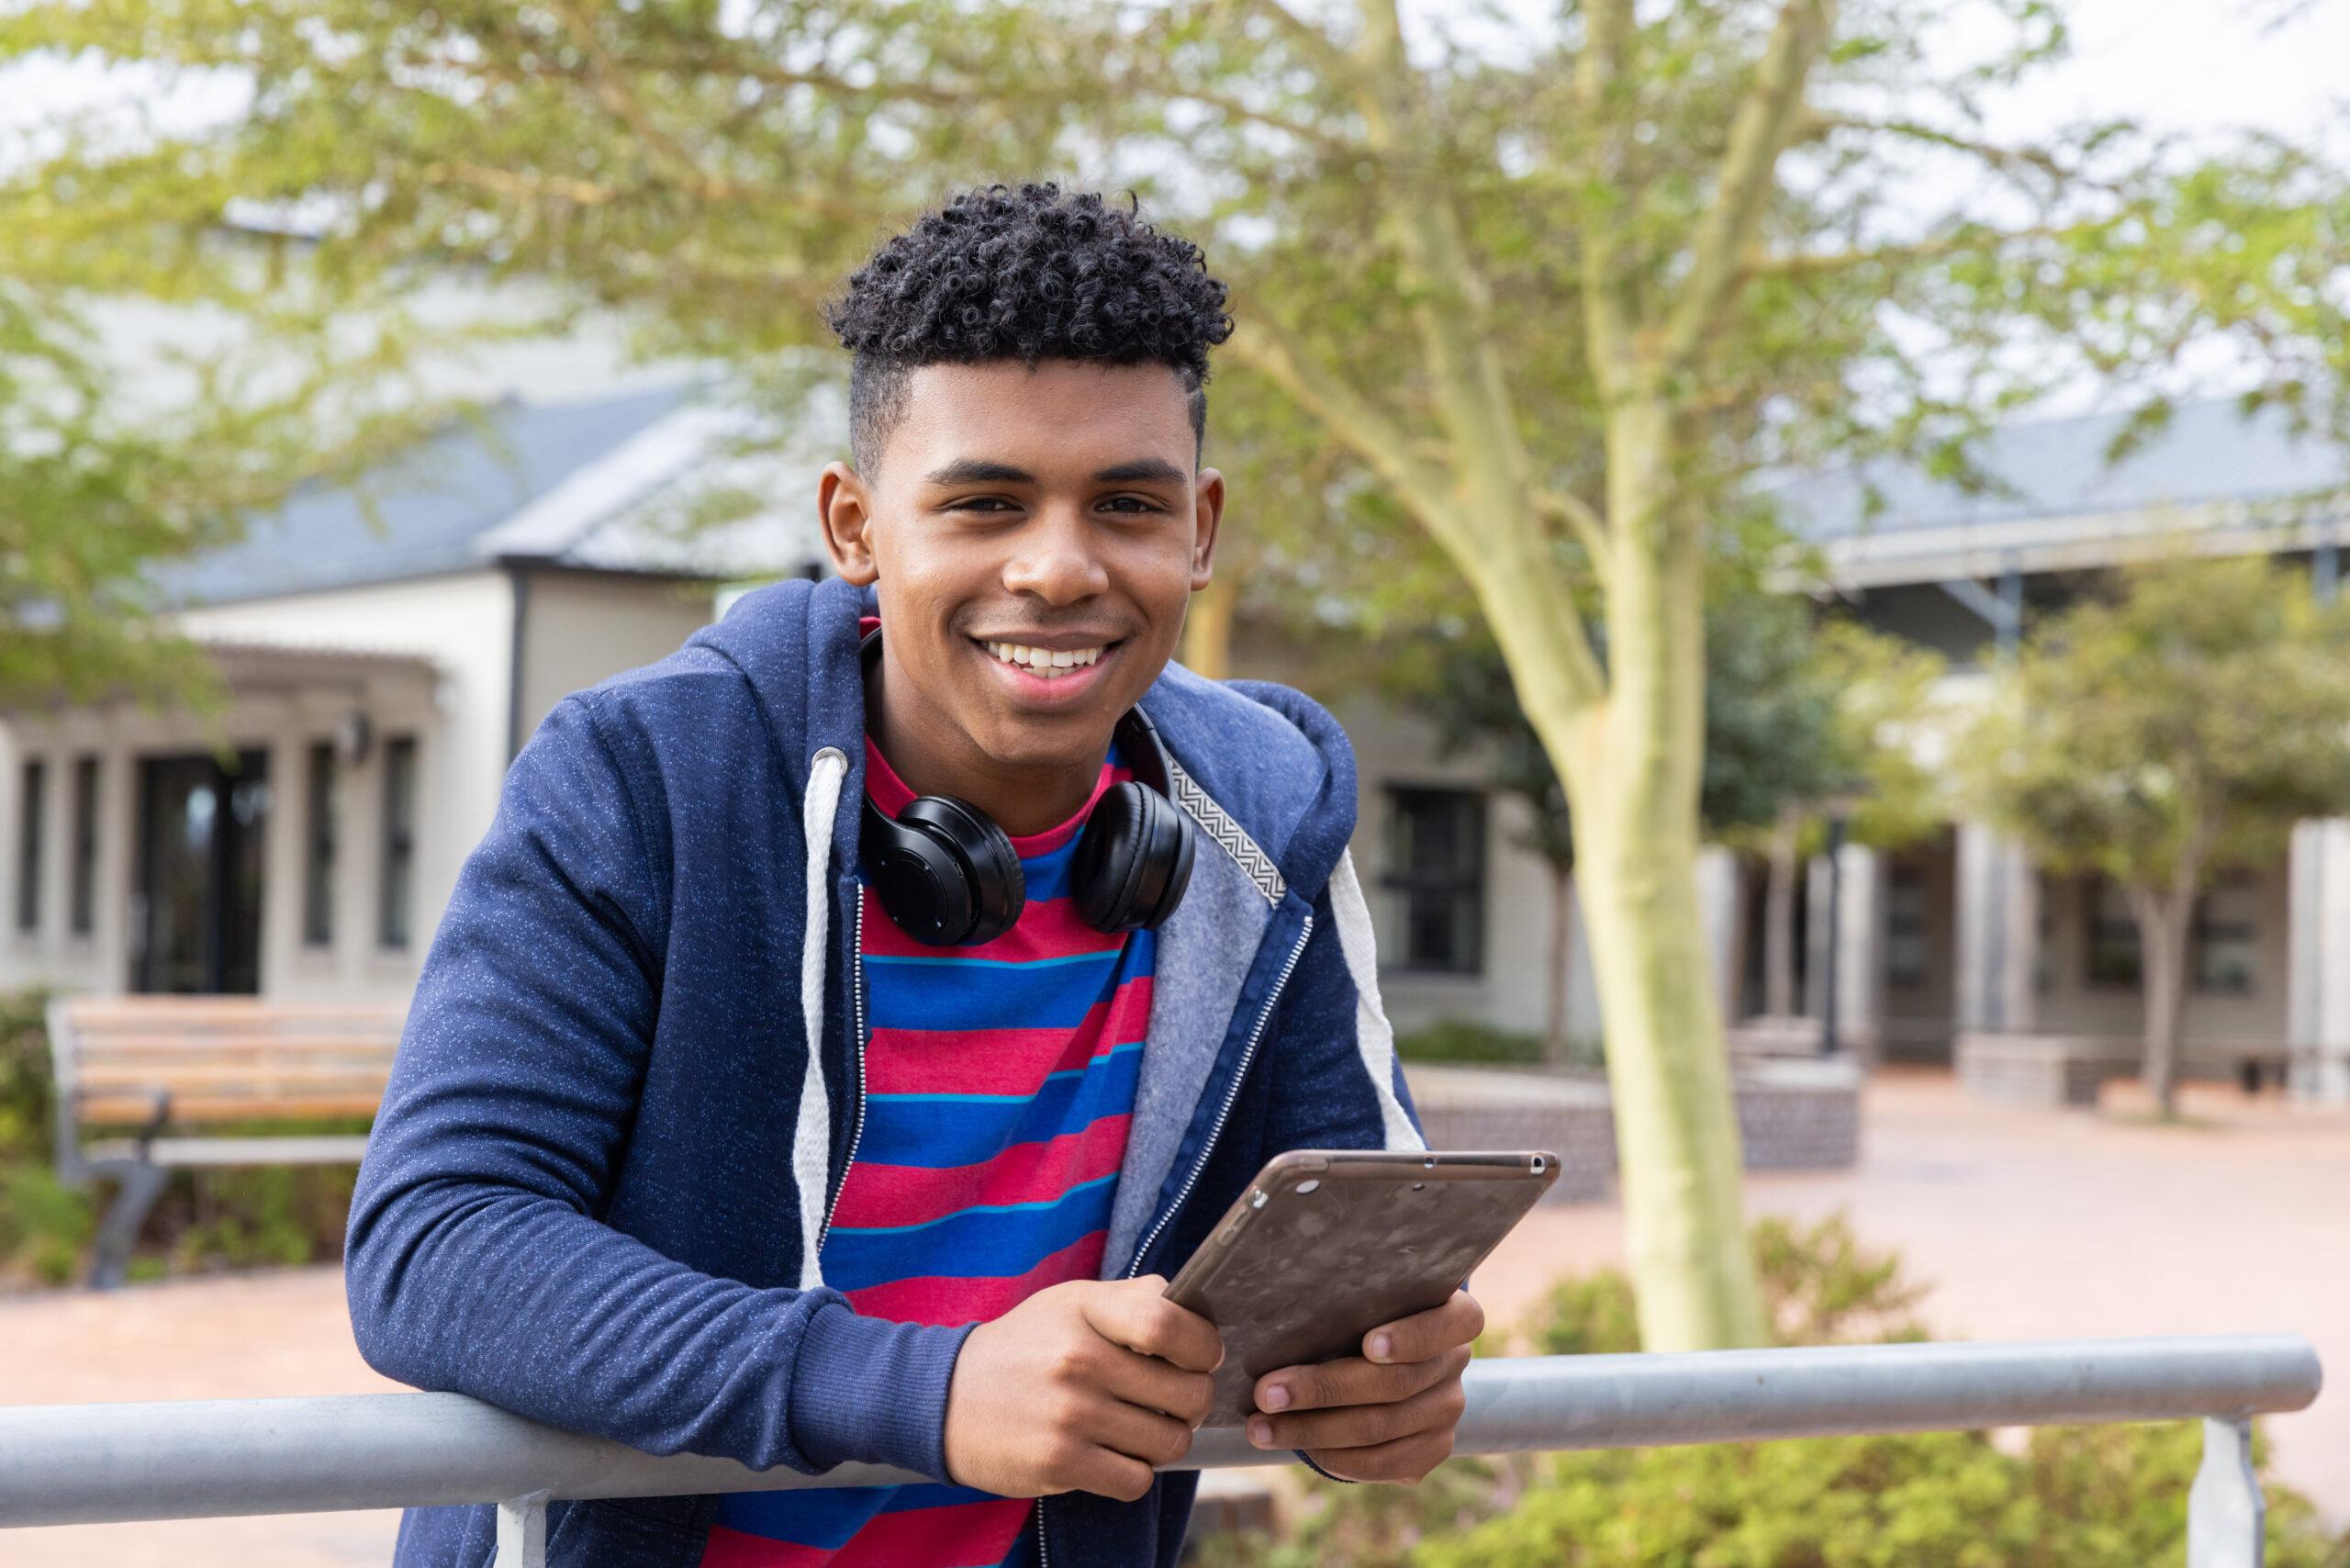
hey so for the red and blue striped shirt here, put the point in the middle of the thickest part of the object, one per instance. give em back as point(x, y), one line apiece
point(999, 1082)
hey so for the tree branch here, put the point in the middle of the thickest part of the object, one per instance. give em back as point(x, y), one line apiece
point(1317, 45)
point(2012, 162)
point(1607, 306)
point(1582, 520)
point(1383, 444)
point(1829, 263)
point(1766, 122)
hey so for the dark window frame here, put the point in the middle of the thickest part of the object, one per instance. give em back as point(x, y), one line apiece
point(1909, 931)
point(1462, 885)
point(2204, 932)
point(395, 891)
point(82, 899)
point(2113, 953)
point(320, 836)
point(32, 831)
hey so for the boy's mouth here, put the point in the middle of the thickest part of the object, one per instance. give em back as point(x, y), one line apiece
point(1048, 663)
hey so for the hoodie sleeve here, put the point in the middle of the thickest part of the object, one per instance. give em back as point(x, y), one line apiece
point(1339, 1084)
point(476, 1261)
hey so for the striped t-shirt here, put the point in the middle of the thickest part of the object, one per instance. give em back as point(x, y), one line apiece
point(999, 1082)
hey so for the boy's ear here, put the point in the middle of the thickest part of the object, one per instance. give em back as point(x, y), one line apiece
point(1207, 518)
point(845, 508)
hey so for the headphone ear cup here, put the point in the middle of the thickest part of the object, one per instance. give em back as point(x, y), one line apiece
point(1134, 860)
point(944, 871)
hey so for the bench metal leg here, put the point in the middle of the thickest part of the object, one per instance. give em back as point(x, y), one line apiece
point(137, 1186)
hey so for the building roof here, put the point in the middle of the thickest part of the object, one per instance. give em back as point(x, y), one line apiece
point(2057, 499)
point(600, 483)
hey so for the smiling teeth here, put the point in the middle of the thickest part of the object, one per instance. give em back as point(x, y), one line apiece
point(1046, 662)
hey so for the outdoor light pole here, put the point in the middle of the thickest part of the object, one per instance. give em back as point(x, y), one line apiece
point(1837, 818)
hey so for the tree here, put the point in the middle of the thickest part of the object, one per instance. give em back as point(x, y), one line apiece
point(1799, 708)
point(1550, 298)
point(1851, 704)
point(2182, 724)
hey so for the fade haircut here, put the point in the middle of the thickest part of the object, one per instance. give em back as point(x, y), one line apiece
point(1027, 273)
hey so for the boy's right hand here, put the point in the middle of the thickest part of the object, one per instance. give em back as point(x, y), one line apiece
point(1083, 1387)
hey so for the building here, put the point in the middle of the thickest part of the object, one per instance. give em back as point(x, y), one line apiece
point(383, 664)
point(382, 659)
point(1962, 942)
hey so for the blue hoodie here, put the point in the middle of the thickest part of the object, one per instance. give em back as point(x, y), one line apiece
point(631, 1082)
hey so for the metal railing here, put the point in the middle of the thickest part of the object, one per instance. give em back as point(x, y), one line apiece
point(95, 1464)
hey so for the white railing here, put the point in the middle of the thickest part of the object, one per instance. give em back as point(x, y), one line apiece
point(95, 1464)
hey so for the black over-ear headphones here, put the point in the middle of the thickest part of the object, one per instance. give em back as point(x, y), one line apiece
point(949, 877)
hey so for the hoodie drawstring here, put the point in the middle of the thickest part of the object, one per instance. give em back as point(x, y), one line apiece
point(812, 1136)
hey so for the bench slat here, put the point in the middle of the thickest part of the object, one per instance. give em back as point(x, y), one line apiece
point(127, 1112)
point(339, 1149)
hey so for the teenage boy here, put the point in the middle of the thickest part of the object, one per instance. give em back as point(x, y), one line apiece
point(738, 1088)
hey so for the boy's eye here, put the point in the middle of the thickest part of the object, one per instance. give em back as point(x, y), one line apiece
point(1130, 503)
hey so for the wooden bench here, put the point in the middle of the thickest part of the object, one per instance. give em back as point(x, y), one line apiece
point(182, 1079)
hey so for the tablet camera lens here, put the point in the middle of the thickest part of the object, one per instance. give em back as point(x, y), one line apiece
point(1539, 1166)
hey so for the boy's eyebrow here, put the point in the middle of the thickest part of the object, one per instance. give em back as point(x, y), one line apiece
point(980, 471)
point(1141, 471)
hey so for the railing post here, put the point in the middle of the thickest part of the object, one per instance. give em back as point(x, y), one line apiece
point(522, 1532)
point(2226, 1515)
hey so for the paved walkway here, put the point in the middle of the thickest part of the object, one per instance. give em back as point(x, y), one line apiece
point(2031, 1224)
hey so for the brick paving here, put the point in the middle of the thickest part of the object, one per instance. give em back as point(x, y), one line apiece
point(2031, 1224)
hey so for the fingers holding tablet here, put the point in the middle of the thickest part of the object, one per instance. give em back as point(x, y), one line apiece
point(1380, 1419)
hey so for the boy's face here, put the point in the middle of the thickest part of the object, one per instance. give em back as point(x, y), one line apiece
point(1020, 514)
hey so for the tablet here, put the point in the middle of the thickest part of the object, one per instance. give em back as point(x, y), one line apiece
point(1326, 1245)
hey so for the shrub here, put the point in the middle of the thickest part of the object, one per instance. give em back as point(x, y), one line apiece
point(1465, 1040)
point(2075, 1497)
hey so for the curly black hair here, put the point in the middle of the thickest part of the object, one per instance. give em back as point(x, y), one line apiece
point(1027, 273)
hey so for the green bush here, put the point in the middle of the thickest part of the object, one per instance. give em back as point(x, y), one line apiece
point(2075, 1497)
point(26, 1093)
point(44, 1225)
point(1465, 1040)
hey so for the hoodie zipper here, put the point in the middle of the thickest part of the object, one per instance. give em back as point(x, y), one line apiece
point(1231, 1097)
point(1199, 1166)
point(857, 1043)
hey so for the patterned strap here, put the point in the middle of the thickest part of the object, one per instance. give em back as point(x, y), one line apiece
point(1228, 833)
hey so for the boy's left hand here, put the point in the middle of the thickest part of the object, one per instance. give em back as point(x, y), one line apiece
point(1386, 1414)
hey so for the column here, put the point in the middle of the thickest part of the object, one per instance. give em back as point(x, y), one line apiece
point(2317, 949)
point(1999, 933)
point(1719, 907)
point(1859, 946)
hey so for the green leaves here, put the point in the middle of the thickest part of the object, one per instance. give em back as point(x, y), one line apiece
point(2184, 720)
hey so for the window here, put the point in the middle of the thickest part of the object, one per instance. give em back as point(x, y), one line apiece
point(81, 907)
point(2224, 935)
point(1905, 928)
point(2113, 952)
point(1436, 864)
point(317, 851)
point(400, 841)
point(30, 830)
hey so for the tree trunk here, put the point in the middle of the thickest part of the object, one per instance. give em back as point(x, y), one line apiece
point(1779, 919)
point(1554, 1041)
point(2162, 914)
point(1632, 780)
point(1207, 627)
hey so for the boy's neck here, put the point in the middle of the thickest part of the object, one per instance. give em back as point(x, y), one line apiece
point(931, 755)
